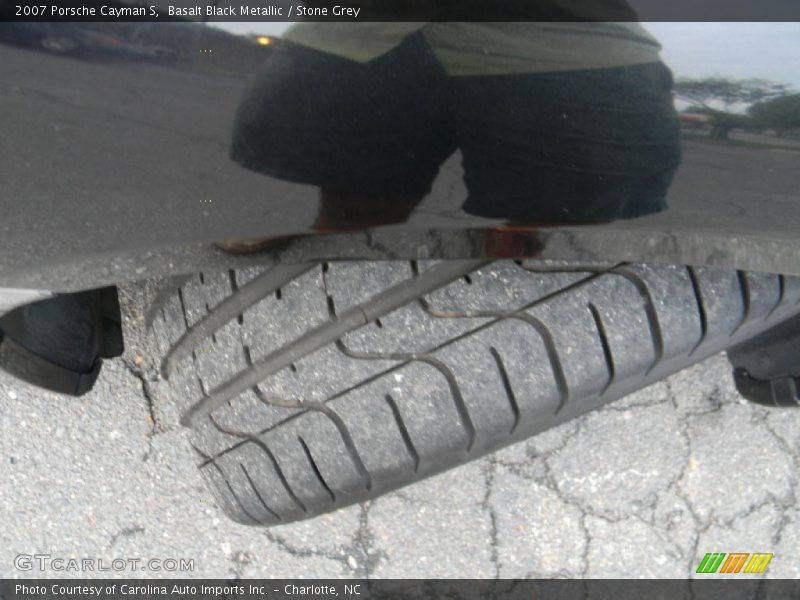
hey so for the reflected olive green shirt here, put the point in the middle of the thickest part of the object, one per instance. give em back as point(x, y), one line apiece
point(491, 48)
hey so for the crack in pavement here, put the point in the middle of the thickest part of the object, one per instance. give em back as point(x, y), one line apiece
point(359, 557)
point(700, 527)
point(303, 552)
point(124, 533)
point(791, 501)
point(363, 542)
point(490, 471)
point(659, 524)
point(156, 427)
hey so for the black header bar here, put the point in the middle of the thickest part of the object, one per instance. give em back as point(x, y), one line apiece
point(399, 10)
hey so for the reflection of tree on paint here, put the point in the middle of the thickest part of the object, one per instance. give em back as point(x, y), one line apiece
point(709, 94)
point(782, 115)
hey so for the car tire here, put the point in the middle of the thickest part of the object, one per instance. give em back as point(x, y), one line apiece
point(311, 387)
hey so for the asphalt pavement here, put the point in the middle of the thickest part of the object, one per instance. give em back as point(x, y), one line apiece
point(642, 488)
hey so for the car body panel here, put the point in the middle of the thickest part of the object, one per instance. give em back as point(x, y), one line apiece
point(116, 170)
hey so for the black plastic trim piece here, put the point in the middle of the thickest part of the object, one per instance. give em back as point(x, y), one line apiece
point(780, 392)
point(59, 343)
point(21, 362)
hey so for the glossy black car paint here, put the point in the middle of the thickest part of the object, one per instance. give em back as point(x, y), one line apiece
point(114, 170)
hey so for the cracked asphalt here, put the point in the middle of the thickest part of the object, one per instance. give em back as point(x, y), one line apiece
point(642, 488)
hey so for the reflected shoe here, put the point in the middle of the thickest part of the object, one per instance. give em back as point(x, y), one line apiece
point(254, 245)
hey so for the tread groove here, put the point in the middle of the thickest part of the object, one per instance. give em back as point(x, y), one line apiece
point(505, 314)
point(458, 398)
point(228, 309)
point(337, 421)
point(656, 334)
point(258, 494)
point(744, 288)
point(315, 468)
point(603, 335)
point(279, 472)
point(201, 383)
point(404, 433)
point(781, 294)
point(235, 289)
point(246, 513)
point(455, 392)
point(204, 458)
point(408, 359)
point(512, 398)
point(183, 310)
point(274, 461)
point(261, 395)
point(165, 292)
point(347, 439)
point(278, 402)
point(702, 311)
point(357, 316)
point(553, 357)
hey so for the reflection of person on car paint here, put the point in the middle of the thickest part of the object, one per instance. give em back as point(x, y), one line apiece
point(556, 122)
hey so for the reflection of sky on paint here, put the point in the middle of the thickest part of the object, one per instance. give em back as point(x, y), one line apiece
point(740, 50)
point(260, 28)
